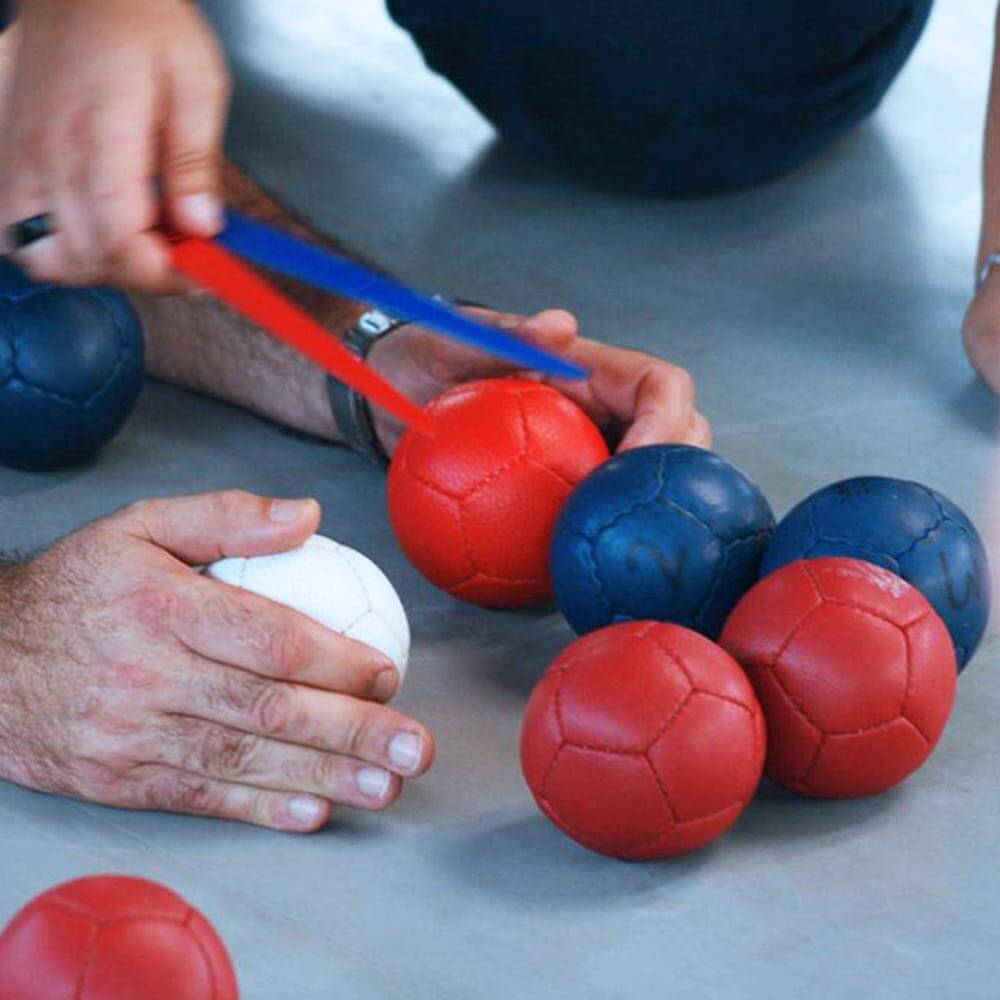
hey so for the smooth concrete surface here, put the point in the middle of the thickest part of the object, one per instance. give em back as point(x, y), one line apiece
point(821, 318)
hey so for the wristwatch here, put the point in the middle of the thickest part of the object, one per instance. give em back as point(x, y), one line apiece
point(991, 262)
point(350, 409)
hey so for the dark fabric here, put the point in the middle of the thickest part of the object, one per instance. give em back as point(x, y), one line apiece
point(667, 97)
point(3, 15)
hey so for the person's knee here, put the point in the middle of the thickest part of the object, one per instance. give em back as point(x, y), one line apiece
point(664, 98)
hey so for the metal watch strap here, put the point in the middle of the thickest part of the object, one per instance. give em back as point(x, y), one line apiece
point(991, 262)
point(350, 409)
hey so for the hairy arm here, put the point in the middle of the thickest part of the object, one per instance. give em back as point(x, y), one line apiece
point(198, 342)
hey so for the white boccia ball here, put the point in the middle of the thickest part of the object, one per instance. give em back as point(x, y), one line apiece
point(337, 586)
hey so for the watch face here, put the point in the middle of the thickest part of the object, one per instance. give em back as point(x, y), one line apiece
point(373, 323)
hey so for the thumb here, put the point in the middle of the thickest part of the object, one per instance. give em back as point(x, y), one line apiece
point(200, 529)
point(553, 329)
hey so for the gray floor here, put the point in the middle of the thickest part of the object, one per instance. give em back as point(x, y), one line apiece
point(821, 317)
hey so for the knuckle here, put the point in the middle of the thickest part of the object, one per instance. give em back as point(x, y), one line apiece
point(234, 693)
point(358, 732)
point(140, 512)
point(681, 381)
point(368, 676)
point(272, 709)
point(186, 160)
point(226, 752)
point(181, 793)
point(325, 772)
point(287, 646)
point(231, 503)
point(98, 780)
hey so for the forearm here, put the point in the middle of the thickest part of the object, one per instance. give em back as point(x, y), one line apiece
point(199, 343)
point(989, 240)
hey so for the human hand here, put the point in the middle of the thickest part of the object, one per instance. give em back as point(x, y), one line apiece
point(635, 398)
point(99, 99)
point(130, 679)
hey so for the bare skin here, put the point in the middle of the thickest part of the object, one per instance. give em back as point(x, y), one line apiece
point(132, 680)
point(195, 341)
point(102, 98)
point(126, 677)
point(981, 329)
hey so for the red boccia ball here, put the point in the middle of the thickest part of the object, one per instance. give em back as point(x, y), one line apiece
point(854, 670)
point(643, 740)
point(112, 937)
point(474, 506)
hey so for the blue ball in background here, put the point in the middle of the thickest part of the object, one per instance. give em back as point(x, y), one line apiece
point(667, 532)
point(904, 527)
point(71, 368)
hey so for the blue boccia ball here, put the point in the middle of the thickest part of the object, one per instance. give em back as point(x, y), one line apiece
point(667, 532)
point(71, 368)
point(905, 527)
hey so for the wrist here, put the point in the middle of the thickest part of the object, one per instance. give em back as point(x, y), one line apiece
point(358, 423)
point(195, 342)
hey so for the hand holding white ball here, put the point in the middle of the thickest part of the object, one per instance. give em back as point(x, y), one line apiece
point(334, 585)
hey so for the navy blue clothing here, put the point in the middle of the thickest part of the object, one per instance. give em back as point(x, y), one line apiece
point(664, 97)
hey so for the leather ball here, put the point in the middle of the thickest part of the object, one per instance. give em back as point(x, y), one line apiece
point(643, 740)
point(904, 527)
point(668, 532)
point(71, 368)
point(474, 505)
point(112, 936)
point(336, 586)
point(855, 672)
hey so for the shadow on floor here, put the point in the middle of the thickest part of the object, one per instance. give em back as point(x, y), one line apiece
point(976, 405)
point(528, 863)
point(779, 815)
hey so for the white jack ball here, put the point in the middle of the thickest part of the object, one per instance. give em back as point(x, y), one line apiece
point(337, 586)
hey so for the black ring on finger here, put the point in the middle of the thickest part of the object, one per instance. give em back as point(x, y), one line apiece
point(21, 235)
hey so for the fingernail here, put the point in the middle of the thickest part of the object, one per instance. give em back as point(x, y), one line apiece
point(304, 810)
point(386, 682)
point(288, 511)
point(405, 751)
point(373, 782)
point(200, 211)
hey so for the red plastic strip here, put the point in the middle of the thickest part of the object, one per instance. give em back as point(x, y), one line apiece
point(209, 265)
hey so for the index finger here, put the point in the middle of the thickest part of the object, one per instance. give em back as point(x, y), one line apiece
point(646, 399)
point(237, 627)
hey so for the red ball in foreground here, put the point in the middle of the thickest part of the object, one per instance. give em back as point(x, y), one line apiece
point(474, 506)
point(111, 937)
point(643, 740)
point(854, 670)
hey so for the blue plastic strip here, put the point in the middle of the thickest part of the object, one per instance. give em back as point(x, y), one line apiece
point(315, 266)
